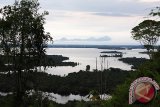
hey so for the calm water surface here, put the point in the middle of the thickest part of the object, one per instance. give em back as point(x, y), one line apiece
point(87, 56)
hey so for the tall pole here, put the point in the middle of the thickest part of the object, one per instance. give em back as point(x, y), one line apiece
point(101, 76)
point(107, 64)
point(96, 63)
point(104, 63)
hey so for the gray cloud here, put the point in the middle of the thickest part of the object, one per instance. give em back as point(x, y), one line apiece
point(112, 14)
point(6, 2)
point(104, 6)
point(104, 38)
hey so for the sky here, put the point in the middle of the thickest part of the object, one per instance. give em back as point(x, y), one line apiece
point(102, 22)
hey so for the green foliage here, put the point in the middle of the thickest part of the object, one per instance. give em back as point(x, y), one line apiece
point(76, 83)
point(34, 100)
point(148, 33)
point(155, 12)
point(148, 69)
point(22, 33)
point(22, 37)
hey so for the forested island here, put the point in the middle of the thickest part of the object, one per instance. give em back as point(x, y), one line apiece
point(46, 61)
point(135, 62)
point(111, 54)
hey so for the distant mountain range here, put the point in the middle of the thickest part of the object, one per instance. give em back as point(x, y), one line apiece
point(104, 38)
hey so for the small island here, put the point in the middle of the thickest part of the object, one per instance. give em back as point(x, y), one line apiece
point(111, 54)
point(135, 62)
point(145, 52)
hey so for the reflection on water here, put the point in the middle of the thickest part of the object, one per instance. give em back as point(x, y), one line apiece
point(87, 56)
point(5, 94)
point(64, 99)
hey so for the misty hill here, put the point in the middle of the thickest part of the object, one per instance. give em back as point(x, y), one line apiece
point(104, 38)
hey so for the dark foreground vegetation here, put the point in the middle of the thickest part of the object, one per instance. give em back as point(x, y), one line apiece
point(76, 83)
point(34, 101)
point(38, 101)
point(81, 83)
point(149, 69)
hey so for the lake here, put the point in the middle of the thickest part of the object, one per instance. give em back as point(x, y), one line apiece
point(87, 56)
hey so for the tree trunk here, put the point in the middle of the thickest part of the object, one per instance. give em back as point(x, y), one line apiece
point(19, 93)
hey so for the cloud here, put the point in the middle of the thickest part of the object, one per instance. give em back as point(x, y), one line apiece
point(149, 1)
point(144, 1)
point(102, 7)
point(113, 14)
point(114, 6)
point(78, 18)
point(104, 38)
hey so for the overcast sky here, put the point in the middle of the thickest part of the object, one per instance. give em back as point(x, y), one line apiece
point(83, 19)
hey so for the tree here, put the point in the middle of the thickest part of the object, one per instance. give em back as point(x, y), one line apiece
point(155, 12)
point(148, 33)
point(87, 67)
point(23, 38)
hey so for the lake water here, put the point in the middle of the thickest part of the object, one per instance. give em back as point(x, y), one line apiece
point(63, 99)
point(87, 56)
